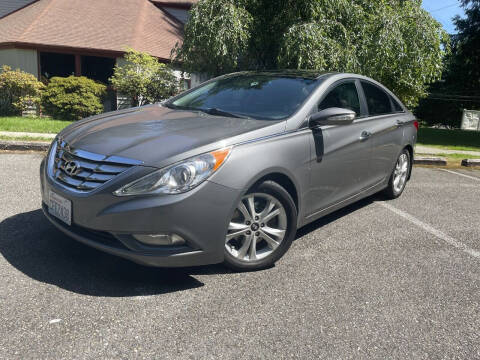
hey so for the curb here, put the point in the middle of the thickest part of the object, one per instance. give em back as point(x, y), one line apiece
point(24, 145)
point(471, 162)
point(429, 160)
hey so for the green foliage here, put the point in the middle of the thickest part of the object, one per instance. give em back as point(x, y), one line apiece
point(460, 86)
point(18, 91)
point(393, 41)
point(73, 98)
point(439, 110)
point(217, 36)
point(465, 62)
point(144, 79)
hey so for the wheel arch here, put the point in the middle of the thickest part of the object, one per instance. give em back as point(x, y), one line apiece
point(284, 181)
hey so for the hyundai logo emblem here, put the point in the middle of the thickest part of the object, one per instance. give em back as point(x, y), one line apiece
point(71, 168)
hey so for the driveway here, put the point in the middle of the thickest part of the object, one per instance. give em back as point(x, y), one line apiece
point(397, 279)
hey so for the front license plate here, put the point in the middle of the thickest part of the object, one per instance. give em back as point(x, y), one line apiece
point(60, 207)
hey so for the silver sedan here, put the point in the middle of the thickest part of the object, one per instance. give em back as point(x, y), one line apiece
point(228, 171)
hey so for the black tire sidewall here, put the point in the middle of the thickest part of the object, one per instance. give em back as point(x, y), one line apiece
point(390, 191)
point(278, 192)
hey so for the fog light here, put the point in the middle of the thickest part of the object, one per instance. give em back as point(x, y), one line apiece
point(161, 239)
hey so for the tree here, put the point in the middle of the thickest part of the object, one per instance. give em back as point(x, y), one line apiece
point(73, 98)
point(464, 69)
point(460, 85)
point(18, 91)
point(393, 41)
point(144, 79)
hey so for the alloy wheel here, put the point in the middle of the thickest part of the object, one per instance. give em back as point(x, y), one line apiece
point(257, 228)
point(400, 173)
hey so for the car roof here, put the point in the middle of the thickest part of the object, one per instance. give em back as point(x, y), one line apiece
point(306, 74)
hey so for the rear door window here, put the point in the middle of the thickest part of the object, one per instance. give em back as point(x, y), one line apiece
point(343, 96)
point(378, 101)
point(396, 106)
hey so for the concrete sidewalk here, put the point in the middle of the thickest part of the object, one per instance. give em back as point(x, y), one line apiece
point(27, 134)
point(421, 149)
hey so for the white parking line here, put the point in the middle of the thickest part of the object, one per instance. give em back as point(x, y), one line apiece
point(457, 173)
point(448, 239)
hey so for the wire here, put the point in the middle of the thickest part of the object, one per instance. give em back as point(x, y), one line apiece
point(444, 7)
point(438, 95)
point(444, 99)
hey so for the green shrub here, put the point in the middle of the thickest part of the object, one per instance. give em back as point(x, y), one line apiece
point(73, 98)
point(438, 110)
point(143, 79)
point(18, 91)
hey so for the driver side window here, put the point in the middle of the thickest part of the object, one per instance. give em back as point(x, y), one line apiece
point(343, 96)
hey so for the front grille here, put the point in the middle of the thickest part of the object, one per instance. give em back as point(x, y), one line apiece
point(85, 171)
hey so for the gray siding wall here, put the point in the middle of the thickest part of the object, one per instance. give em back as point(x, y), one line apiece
point(197, 79)
point(23, 59)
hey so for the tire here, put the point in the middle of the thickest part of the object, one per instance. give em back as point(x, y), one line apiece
point(245, 230)
point(400, 175)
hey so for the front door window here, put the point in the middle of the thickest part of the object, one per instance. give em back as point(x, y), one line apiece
point(343, 96)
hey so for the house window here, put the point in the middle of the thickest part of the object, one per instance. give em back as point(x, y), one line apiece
point(63, 65)
point(54, 64)
point(98, 68)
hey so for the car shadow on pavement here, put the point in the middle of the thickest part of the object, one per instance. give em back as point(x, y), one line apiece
point(336, 215)
point(36, 248)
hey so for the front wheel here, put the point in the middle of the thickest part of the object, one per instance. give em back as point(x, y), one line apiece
point(262, 228)
point(399, 176)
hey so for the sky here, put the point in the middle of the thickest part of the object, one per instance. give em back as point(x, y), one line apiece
point(444, 11)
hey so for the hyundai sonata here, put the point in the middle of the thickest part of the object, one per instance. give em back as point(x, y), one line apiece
point(227, 171)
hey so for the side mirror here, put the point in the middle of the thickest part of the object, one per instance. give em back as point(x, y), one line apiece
point(332, 116)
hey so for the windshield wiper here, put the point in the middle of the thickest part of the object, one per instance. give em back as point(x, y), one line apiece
point(210, 111)
point(177, 107)
point(219, 112)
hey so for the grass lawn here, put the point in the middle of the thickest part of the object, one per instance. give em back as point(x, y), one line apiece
point(449, 139)
point(32, 124)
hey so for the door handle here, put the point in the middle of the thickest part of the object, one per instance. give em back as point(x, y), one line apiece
point(365, 135)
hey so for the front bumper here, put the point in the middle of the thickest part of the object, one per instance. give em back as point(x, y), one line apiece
point(105, 221)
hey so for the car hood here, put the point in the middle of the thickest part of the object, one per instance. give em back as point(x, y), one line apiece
point(154, 134)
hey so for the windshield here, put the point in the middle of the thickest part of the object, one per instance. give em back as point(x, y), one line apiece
point(265, 97)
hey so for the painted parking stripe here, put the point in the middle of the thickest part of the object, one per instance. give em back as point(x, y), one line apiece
point(441, 235)
point(457, 173)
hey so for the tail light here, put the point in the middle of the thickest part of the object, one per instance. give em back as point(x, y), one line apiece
point(415, 123)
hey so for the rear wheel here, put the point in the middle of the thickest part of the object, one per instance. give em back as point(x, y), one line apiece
point(262, 228)
point(399, 176)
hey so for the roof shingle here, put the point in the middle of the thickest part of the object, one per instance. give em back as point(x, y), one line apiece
point(108, 25)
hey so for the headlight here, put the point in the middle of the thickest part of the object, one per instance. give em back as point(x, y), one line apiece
point(179, 177)
point(52, 151)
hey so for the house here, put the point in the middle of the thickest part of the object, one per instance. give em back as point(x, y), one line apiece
point(87, 37)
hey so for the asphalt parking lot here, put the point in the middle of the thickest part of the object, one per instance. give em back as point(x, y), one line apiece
point(397, 279)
